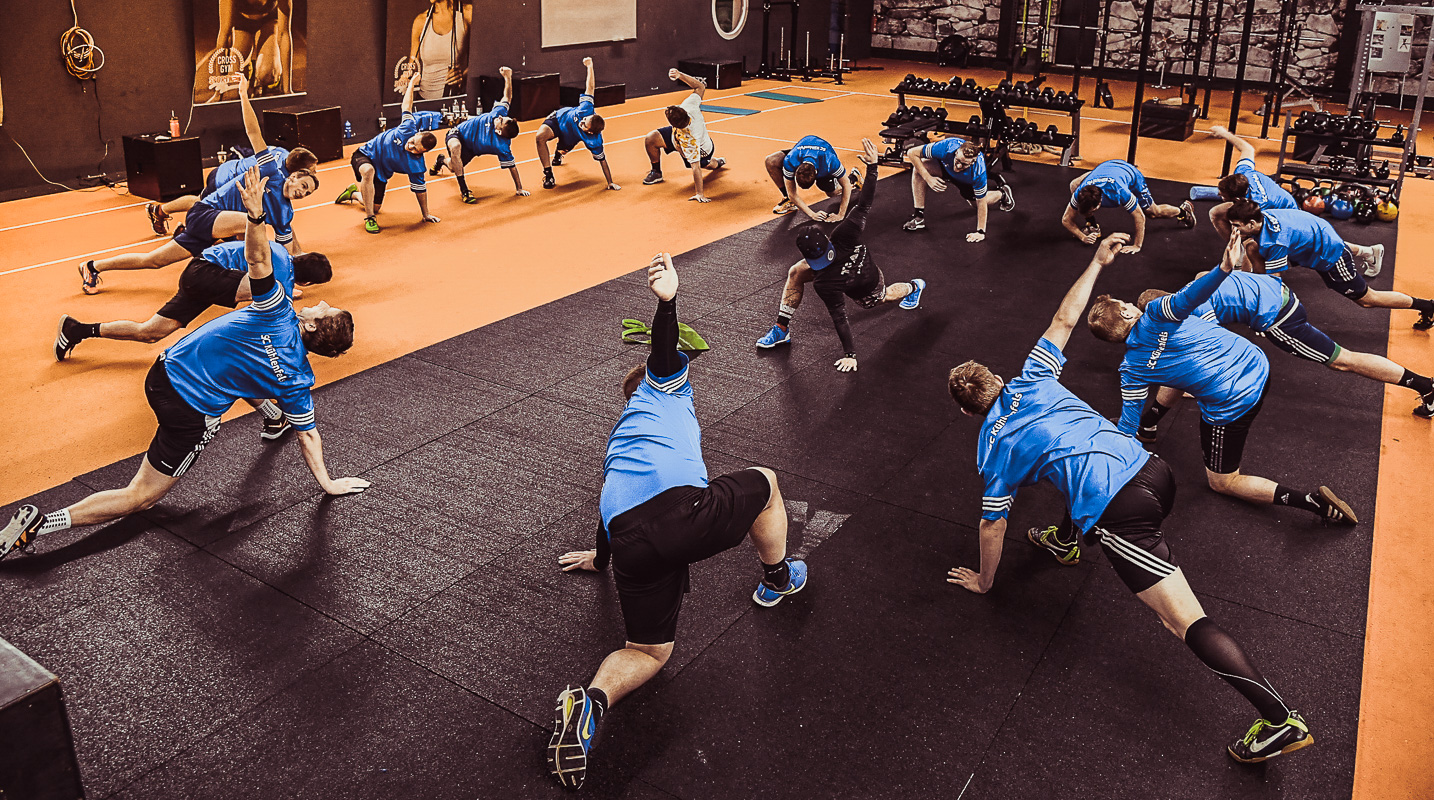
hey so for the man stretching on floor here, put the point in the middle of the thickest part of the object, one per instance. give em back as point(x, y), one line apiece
point(962, 163)
point(258, 351)
point(1275, 240)
point(1167, 345)
point(686, 133)
point(660, 514)
point(296, 160)
point(856, 274)
point(812, 160)
point(221, 215)
point(398, 150)
point(1117, 494)
point(1118, 184)
point(573, 126)
point(1268, 307)
point(488, 134)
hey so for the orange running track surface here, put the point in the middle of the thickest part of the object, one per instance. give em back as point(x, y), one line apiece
point(414, 285)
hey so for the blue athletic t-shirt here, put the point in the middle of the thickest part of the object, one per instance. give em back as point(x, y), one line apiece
point(1169, 347)
point(478, 136)
point(253, 352)
point(389, 157)
point(816, 150)
point(1118, 181)
point(945, 151)
point(276, 207)
point(230, 255)
point(655, 445)
point(233, 168)
point(1246, 298)
point(1299, 238)
point(1037, 429)
point(568, 119)
point(1264, 192)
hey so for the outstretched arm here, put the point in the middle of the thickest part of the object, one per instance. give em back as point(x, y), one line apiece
point(993, 536)
point(251, 120)
point(850, 229)
point(408, 92)
point(697, 85)
point(1069, 314)
point(1245, 149)
point(591, 85)
point(313, 448)
point(1138, 217)
point(507, 73)
point(256, 234)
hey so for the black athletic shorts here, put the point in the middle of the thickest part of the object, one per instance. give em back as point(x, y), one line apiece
point(201, 285)
point(210, 184)
point(827, 185)
point(1128, 531)
point(183, 432)
point(873, 297)
point(653, 543)
point(198, 231)
point(1293, 333)
point(565, 142)
point(1344, 277)
point(358, 159)
point(1224, 445)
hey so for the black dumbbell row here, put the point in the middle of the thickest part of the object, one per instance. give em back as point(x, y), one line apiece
point(1006, 129)
point(1352, 126)
point(1011, 94)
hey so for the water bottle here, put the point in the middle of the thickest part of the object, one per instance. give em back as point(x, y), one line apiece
point(382, 123)
point(348, 130)
point(223, 155)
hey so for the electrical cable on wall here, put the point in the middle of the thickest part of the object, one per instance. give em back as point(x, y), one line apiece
point(79, 50)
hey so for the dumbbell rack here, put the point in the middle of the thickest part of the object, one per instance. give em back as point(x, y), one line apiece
point(1069, 143)
point(1294, 169)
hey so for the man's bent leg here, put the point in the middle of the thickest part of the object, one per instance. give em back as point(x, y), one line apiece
point(168, 253)
point(148, 487)
point(623, 671)
point(366, 181)
point(156, 328)
point(769, 531)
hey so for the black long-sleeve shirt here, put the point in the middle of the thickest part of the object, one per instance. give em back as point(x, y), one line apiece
point(853, 272)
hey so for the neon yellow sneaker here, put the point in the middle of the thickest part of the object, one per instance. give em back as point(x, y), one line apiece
point(348, 194)
point(573, 729)
point(1068, 554)
point(370, 224)
point(1265, 739)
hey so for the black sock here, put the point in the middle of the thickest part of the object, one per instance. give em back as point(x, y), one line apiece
point(599, 698)
point(784, 193)
point(92, 331)
point(1422, 306)
point(1220, 652)
point(1417, 382)
point(1151, 417)
point(547, 172)
point(462, 184)
point(776, 575)
point(657, 167)
point(1289, 497)
point(918, 212)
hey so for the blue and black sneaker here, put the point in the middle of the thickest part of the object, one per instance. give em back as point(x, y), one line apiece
point(777, 335)
point(914, 299)
point(796, 581)
point(573, 729)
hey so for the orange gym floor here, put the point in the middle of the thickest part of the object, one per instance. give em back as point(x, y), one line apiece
point(415, 284)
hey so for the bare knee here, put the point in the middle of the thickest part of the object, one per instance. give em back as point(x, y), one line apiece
point(1224, 483)
point(657, 652)
point(776, 495)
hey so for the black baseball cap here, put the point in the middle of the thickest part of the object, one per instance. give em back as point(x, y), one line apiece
point(816, 248)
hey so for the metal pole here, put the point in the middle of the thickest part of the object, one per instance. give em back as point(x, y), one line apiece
point(766, 39)
point(1418, 112)
point(1214, 50)
point(1104, 38)
point(1275, 96)
point(1147, 24)
point(1079, 48)
point(1239, 83)
point(1361, 58)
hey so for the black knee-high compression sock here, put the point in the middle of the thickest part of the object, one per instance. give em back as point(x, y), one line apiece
point(1151, 417)
point(1417, 382)
point(1285, 496)
point(1220, 652)
point(462, 184)
point(776, 575)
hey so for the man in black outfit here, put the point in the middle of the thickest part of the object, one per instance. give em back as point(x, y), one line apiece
point(857, 275)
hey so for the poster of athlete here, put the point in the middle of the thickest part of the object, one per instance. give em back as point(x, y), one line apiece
point(266, 37)
point(430, 37)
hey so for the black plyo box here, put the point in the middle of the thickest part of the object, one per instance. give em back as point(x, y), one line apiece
point(604, 94)
point(318, 128)
point(720, 73)
point(535, 94)
point(162, 169)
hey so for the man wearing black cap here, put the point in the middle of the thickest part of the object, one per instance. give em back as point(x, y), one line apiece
point(853, 273)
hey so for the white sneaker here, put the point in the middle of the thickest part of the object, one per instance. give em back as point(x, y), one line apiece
point(1375, 264)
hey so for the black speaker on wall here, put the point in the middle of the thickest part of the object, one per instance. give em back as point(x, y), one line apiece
point(162, 169)
point(319, 128)
point(39, 752)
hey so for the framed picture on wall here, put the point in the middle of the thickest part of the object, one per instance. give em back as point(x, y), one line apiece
point(567, 22)
point(429, 37)
point(268, 38)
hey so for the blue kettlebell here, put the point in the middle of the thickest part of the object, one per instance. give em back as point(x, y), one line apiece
point(1340, 208)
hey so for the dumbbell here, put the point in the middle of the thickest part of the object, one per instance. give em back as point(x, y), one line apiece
point(1005, 84)
point(971, 84)
point(1371, 129)
point(1048, 96)
point(1303, 121)
point(941, 113)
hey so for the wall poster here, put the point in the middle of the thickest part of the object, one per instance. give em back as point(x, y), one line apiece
point(429, 37)
point(266, 37)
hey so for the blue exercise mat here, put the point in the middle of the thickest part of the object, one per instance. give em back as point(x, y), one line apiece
point(786, 98)
point(728, 110)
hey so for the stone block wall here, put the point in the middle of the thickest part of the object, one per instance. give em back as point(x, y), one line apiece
point(918, 25)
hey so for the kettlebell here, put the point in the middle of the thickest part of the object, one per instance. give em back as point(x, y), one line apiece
point(1340, 208)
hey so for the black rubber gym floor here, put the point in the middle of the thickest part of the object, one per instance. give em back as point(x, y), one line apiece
point(248, 638)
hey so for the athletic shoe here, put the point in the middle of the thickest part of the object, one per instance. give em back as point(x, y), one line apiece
point(347, 195)
point(1187, 214)
point(437, 165)
point(1265, 739)
point(1425, 321)
point(90, 278)
point(548, 180)
point(913, 300)
point(1068, 554)
point(1376, 262)
point(1425, 409)
point(20, 533)
point(370, 224)
point(1008, 197)
point(469, 198)
point(796, 581)
point(774, 337)
point(573, 729)
point(915, 224)
point(1334, 509)
point(1091, 226)
point(157, 219)
point(557, 158)
point(784, 207)
point(274, 428)
point(718, 164)
point(1147, 435)
point(855, 177)
point(68, 335)
point(653, 176)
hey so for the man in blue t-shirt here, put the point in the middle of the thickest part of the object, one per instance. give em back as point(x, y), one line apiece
point(220, 215)
point(659, 513)
point(296, 160)
point(380, 158)
point(812, 161)
point(1167, 345)
point(258, 351)
point(962, 163)
point(572, 126)
point(1116, 495)
point(1246, 182)
point(489, 134)
point(1117, 184)
point(1266, 306)
point(1277, 239)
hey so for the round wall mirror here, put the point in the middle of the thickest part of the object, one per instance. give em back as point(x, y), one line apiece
point(729, 16)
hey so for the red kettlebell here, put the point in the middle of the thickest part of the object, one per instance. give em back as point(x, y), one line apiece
point(1314, 204)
